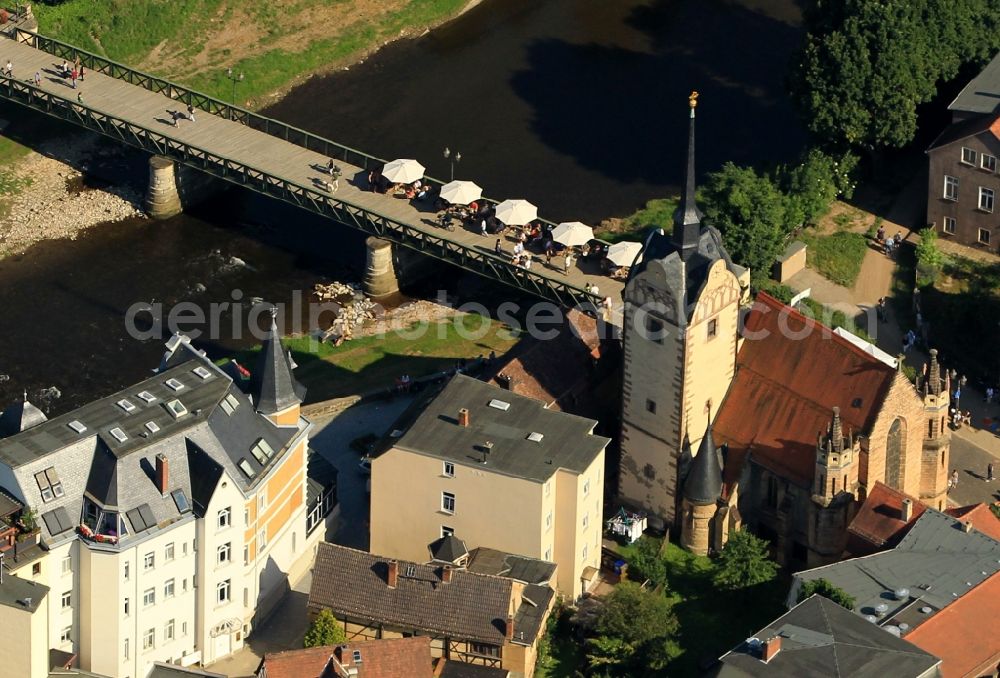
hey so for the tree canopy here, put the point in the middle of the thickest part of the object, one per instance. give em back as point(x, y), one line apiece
point(744, 562)
point(634, 629)
point(824, 588)
point(325, 630)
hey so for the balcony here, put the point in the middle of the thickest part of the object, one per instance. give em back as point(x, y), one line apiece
point(19, 527)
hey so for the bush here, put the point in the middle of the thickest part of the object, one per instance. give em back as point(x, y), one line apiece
point(325, 630)
point(744, 562)
point(824, 588)
point(813, 185)
point(930, 259)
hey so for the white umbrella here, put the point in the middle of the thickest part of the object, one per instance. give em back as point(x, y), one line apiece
point(516, 212)
point(461, 192)
point(624, 253)
point(403, 171)
point(572, 234)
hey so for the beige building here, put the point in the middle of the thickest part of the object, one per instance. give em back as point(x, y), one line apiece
point(497, 470)
point(24, 652)
point(172, 512)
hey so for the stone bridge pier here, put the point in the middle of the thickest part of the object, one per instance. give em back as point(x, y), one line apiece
point(380, 272)
point(173, 187)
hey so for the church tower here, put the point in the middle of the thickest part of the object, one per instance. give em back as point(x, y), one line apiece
point(934, 389)
point(702, 490)
point(836, 468)
point(679, 344)
point(276, 394)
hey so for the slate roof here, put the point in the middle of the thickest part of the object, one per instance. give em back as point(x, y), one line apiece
point(387, 658)
point(353, 585)
point(879, 522)
point(704, 480)
point(982, 94)
point(791, 371)
point(8, 504)
point(273, 387)
point(531, 614)
point(14, 591)
point(20, 416)
point(567, 441)
point(937, 561)
point(820, 638)
point(448, 549)
point(457, 669)
point(502, 564)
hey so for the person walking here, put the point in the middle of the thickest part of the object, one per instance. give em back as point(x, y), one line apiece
point(79, 100)
point(190, 112)
point(8, 69)
point(498, 248)
point(74, 74)
point(569, 262)
point(81, 72)
point(335, 173)
point(482, 227)
point(989, 472)
point(64, 68)
point(954, 478)
point(38, 79)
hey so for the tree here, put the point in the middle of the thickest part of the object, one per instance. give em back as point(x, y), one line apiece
point(751, 213)
point(647, 563)
point(325, 630)
point(813, 185)
point(824, 588)
point(634, 629)
point(744, 562)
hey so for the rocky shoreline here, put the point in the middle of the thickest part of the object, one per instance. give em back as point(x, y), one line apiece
point(57, 201)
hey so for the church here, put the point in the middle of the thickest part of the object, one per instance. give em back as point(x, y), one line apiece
point(750, 413)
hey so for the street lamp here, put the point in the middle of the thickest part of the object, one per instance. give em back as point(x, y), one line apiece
point(456, 157)
point(236, 79)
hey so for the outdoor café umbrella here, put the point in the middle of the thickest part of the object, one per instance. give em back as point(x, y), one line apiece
point(516, 212)
point(624, 253)
point(572, 234)
point(403, 171)
point(461, 192)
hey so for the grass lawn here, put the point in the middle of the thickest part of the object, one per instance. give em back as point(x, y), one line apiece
point(837, 256)
point(373, 363)
point(565, 659)
point(657, 213)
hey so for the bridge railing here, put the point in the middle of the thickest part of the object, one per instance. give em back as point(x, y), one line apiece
point(204, 102)
point(481, 261)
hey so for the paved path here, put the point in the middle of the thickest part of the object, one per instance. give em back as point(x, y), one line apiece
point(268, 154)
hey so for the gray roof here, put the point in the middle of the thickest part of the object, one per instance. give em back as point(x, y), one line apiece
point(273, 387)
point(820, 638)
point(162, 670)
point(16, 592)
point(353, 585)
point(20, 416)
point(937, 561)
point(528, 570)
point(535, 603)
point(448, 549)
point(982, 94)
point(704, 480)
point(566, 440)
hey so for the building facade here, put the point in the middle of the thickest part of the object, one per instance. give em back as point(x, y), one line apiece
point(173, 512)
point(496, 469)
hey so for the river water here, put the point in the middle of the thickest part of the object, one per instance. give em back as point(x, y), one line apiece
point(578, 105)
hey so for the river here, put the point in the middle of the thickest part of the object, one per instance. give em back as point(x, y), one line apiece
point(578, 105)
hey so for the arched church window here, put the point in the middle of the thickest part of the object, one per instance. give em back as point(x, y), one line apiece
point(894, 460)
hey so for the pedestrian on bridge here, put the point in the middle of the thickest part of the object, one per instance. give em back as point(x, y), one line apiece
point(64, 69)
point(190, 112)
point(498, 248)
point(8, 69)
point(569, 262)
point(81, 72)
point(74, 74)
point(38, 79)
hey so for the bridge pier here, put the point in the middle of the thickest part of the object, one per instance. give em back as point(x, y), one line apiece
point(380, 274)
point(162, 199)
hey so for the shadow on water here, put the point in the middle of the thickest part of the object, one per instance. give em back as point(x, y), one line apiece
point(577, 105)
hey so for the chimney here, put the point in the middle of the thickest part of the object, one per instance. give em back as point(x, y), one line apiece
point(446, 574)
point(907, 510)
point(509, 630)
point(162, 473)
point(463, 417)
point(343, 655)
point(967, 526)
point(392, 578)
point(772, 647)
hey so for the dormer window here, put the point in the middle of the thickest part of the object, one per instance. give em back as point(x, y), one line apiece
point(118, 434)
point(126, 405)
point(174, 384)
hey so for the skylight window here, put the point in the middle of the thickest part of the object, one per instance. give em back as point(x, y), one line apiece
point(202, 372)
point(261, 451)
point(501, 405)
point(126, 405)
point(246, 468)
point(146, 396)
point(535, 437)
point(118, 434)
point(77, 426)
point(411, 571)
point(152, 426)
point(181, 501)
point(229, 404)
point(176, 408)
point(174, 384)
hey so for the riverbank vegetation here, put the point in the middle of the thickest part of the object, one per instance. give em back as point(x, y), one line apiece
point(274, 44)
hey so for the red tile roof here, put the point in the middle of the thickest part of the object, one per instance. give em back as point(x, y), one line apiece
point(791, 372)
point(981, 517)
point(965, 634)
point(878, 524)
point(390, 658)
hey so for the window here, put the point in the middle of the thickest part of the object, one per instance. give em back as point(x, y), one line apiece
point(225, 518)
point(449, 469)
point(246, 597)
point(168, 552)
point(949, 225)
point(950, 188)
point(36, 569)
point(184, 628)
point(168, 589)
point(175, 408)
point(67, 599)
point(548, 554)
point(584, 552)
point(713, 327)
point(184, 585)
point(447, 531)
point(224, 553)
point(67, 635)
point(654, 329)
point(125, 571)
point(261, 540)
point(246, 516)
point(77, 426)
point(548, 488)
point(126, 648)
point(650, 406)
point(447, 502)
point(986, 199)
point(149, 639)
point(49, 484)
point(586, 487)
point(149, 597)
point(229, 404)
point(174, 384)
point(168, 630)
point(149, 561)
point(984, 236)
point(586, 520)
point(126, 404)
point(127, 607)
point(988, 162)
point(261, 451)
point(222, 592)
point(262, 500)
point(146, 396)
point(968, 156)
point(772, 492)
point(151, 426)
point(485, 649)
point(67, 565)
point(357, 656)
point(202, 372)
point(246, 468)
point(246, 554)
point(118, 434)
point(548, 520)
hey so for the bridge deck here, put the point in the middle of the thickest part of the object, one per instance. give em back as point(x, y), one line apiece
point(269, 154)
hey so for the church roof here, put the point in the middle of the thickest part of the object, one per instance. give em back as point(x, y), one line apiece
point(20, 416)
point(704, 481)
point(272, 385)
point(791, 371)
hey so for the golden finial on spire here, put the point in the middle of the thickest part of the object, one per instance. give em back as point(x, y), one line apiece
point(693, 99)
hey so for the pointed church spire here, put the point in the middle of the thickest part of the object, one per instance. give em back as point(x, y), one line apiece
point(934, 375)
point(272, 386)
point(687, 218)
point(704, 481)
point(836, 432)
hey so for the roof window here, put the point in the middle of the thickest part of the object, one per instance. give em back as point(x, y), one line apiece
point(77, 426)
point(126, 405)
point(246, 468)
point(261, 451)
point(229, 404)
point(118, 434)
point(535, 437)
point(146, 396)
point(202, 372)
point(501, 405)
point(174, 384)
point(181, 501)
point(152, 426)
point(357, 656)
point(176, 408)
